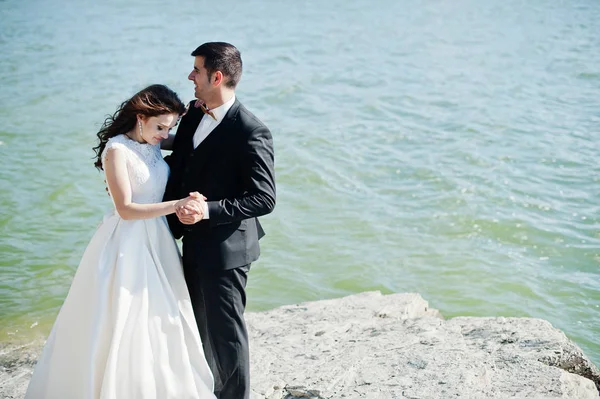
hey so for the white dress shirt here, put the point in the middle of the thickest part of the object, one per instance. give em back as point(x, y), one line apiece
point(207, 125)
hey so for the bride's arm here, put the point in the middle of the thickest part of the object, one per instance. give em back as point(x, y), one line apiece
point(120, 190)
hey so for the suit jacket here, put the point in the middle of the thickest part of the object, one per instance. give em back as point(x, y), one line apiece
point(234, 169)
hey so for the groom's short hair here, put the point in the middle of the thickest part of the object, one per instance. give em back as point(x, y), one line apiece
point(224, 57)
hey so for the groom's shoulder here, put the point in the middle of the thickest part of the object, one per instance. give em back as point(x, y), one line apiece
point(248, 119)
point(190, 110)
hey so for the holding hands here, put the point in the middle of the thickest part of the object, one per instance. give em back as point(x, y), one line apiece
point(191, 210)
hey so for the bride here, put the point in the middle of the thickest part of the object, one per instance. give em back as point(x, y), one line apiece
point(126, 329)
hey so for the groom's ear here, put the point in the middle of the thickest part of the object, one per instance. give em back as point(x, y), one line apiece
point(218, 78)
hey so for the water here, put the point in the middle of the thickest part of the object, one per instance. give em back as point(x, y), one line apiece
point(445, 148)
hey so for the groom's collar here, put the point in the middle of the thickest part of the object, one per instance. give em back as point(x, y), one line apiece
point(220, 111)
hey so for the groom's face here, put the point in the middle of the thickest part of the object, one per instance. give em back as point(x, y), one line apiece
point(199, 76)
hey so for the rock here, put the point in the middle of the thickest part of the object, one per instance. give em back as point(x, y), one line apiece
point(16, 365)
point(395, 346)
point(389, 346)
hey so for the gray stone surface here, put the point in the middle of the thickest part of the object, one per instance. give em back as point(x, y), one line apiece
point(16, 363)
point(395, 346)
point(388, 346)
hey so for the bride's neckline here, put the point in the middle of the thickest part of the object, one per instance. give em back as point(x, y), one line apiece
point(134, 141)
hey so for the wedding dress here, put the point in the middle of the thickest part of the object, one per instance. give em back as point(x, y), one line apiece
point(126, 329)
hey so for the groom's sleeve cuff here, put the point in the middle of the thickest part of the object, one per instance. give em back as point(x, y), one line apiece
point(206, 216)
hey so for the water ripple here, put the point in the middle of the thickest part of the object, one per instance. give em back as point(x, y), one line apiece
point(432, 147)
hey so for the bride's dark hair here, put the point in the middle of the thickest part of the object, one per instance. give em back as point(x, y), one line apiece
point(152, 101)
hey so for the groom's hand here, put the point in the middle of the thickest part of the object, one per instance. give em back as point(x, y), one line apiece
point(191, 213)
point(190, 219)
point(191, 210)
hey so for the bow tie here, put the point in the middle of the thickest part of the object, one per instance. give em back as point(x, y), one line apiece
point(204, 109)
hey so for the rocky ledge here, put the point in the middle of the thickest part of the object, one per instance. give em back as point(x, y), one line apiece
point(389, 346)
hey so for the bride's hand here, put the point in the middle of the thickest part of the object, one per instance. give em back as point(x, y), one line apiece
point(197, 195)
point(190, 210)
point(195, 200)
point(188, 205)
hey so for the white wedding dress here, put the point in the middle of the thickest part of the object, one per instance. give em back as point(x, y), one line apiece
point(126, 329)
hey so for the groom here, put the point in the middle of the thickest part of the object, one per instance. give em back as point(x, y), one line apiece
point(224, 152)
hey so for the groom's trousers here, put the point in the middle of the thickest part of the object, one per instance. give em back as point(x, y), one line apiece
point(219, 300)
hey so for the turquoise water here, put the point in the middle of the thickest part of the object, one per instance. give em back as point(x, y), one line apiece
point(445, 148)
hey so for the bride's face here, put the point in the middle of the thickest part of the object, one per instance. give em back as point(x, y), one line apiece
point(157, 128)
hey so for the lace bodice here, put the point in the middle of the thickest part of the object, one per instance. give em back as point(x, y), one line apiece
point(148, 172)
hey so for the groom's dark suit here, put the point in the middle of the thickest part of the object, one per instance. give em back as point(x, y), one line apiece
point(234, 169)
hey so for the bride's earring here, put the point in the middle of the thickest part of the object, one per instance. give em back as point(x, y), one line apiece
point(141, 135)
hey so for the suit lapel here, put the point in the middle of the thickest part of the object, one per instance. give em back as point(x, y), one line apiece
point(192, 120)
point(219, 135)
